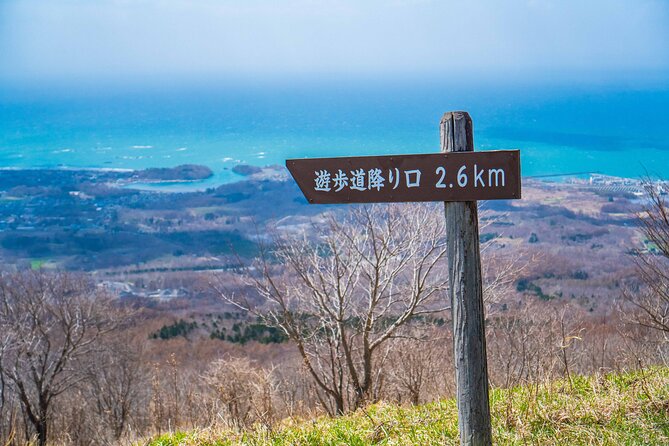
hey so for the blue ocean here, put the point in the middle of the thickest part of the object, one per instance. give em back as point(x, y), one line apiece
point(559, 130)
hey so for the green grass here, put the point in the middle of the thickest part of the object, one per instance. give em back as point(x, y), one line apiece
point(614, 409)
point(37, 264)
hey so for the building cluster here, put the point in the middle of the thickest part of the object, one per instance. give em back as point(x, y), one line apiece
point(127, 290)
point(607, 183)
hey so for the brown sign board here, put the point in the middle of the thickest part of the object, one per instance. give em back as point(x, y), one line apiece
point(453, 176)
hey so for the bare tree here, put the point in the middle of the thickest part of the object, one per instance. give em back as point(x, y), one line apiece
point(114, 382)
point(8, 403)
point(415, 364)
point(652, 301)
point(53, 323)
point(341, 296)
point(244, 390)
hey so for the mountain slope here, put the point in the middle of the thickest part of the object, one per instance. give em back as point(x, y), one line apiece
point(614, 409)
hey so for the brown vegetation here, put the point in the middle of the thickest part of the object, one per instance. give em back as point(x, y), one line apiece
point(652, 300)
point(362, 308)
point(343, 297)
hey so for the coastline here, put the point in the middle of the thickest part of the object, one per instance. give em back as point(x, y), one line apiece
point(275, 172)
point(97, 220)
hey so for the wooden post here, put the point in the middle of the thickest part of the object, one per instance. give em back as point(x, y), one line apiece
point(464, 269)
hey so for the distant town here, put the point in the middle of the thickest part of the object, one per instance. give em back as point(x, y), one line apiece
point(607, 183)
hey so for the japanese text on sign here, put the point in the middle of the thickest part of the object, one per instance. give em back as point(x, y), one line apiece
point(373, 179)
point(364, 180)
point(429, 177)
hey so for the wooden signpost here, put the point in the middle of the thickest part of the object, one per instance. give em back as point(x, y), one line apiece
point(458, 176)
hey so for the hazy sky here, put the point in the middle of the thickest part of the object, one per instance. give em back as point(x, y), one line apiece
point(43, 40)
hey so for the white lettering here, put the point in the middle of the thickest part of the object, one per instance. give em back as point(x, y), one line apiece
point(375, 179)
point(477, 176)
point(497, 173)
point(416, 174)
point(322, 180)
point(462, 177)
point(440, 184)
point(394, 177)
point(340, 181)
point(358, 179)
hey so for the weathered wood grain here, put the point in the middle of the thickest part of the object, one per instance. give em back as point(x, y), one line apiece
point(466, 293)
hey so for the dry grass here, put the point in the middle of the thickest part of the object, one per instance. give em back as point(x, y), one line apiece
point(614, 409)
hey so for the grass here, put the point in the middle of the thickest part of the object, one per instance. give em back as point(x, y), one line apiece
point(37, 264)
point(613, 409)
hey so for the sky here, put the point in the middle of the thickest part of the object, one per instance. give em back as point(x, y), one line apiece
point(141, 40)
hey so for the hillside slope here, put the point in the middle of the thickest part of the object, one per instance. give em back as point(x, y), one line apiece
point(613, 409)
